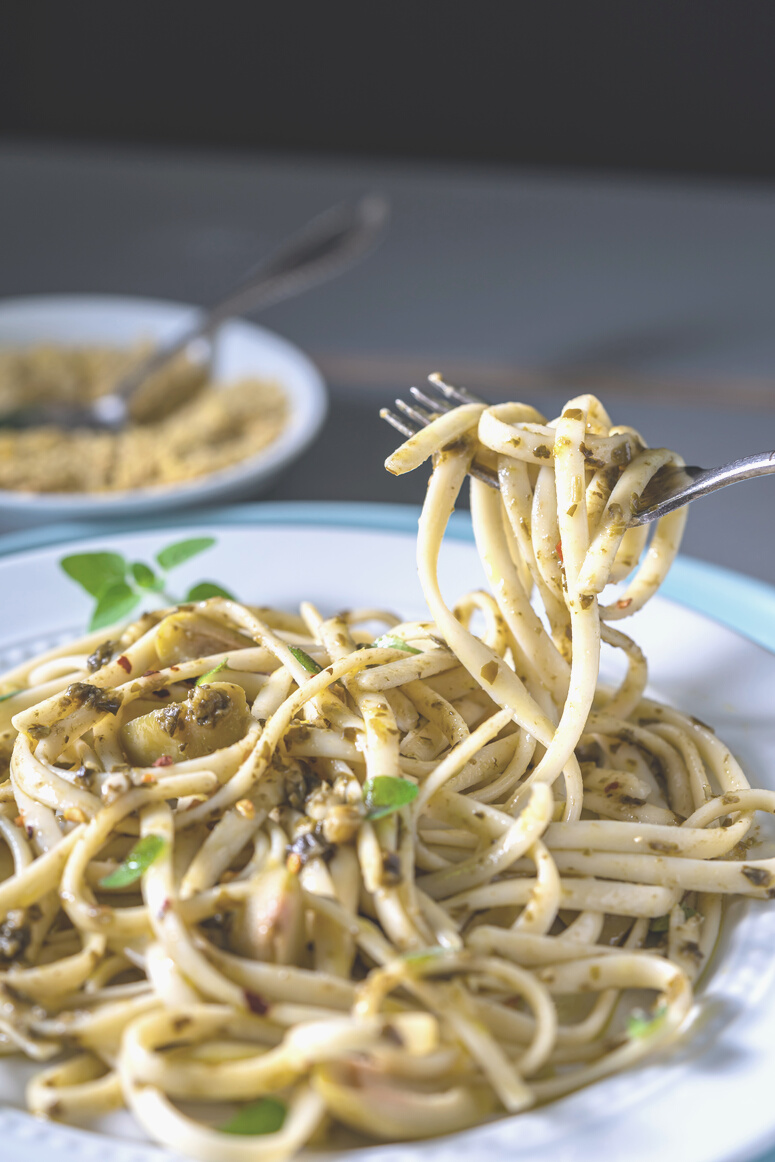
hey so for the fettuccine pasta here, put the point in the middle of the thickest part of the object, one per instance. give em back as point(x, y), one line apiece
point(264, 875)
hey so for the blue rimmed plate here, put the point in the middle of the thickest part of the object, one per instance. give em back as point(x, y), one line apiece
point(344, 556)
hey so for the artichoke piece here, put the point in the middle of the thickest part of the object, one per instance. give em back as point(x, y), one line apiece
point(184, 635)
point(212, 717)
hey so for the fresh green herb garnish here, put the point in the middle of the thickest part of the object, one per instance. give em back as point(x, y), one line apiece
point(640, 1024)
point(662, 923)
point(386, 794)
point(424, 955)
point(306, 661)
point(144, 575)
point(181, 551)
point(388, 642)
point(95, 572)
point(119, 585)
point(9, 694)
point(140, 858)
point(115, 603)
point(265, 1116)
point(207, 589)
point(208, 677)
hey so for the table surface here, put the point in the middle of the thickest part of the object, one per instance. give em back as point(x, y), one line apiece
point(658, 295)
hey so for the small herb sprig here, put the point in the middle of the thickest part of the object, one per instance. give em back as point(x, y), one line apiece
point(140, 858)
point(641, 1024)
point(385, 794)
point(389, 642)
point(265, 1116)
point(118, 585)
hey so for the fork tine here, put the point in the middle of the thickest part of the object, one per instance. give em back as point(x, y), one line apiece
point(419, 416)
point(458, 393)
point(396, 422)
point(434, 405)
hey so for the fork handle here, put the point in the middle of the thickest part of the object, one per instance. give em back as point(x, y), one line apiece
point(705, 480)
point(323, 248)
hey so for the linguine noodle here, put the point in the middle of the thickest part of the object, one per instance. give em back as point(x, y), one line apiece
point(394, 877)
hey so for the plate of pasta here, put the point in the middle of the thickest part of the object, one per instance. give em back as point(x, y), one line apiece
point(388, 846)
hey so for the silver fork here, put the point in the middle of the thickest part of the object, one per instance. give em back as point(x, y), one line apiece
point(670, 488)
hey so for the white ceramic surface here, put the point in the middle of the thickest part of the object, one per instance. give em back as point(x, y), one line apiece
point(709, 1100)
point(242, 349)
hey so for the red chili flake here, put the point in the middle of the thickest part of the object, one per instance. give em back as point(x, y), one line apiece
point(125, 663)
point(163, 761)
point(614, 786)
point(256, 1003)
point(624, 602)
point(150, 673)
point(166, 904)
point(558, 547)
point(19, 821)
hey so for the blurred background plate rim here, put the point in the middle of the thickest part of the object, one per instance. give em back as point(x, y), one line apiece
point(117, 320)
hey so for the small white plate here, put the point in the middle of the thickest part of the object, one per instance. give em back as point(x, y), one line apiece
point(709, 1100)
point(241, 349)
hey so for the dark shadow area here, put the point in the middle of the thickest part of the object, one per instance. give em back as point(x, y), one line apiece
point(683, 87)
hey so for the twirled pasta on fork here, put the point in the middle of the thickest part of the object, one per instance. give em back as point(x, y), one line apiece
point(348, 870)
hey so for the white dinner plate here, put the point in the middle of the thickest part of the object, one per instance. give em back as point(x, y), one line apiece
point(707, 1100)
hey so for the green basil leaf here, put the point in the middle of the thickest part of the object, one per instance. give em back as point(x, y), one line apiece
point(143, 575)
point(640, 1024)
point(307, 662)
point(385, 794)
point(114, 604)
point(181, 551)
point(207, 589)
point(388, 642)
point(9, 694)
point(140, 858)
point(265, 1116)
point(660, 924)
point(688, 911)
point(208, 677)
point(95, 572)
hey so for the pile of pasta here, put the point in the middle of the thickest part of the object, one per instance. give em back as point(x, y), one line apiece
point(275, 874)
